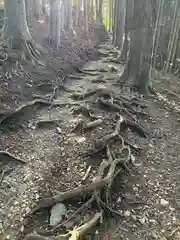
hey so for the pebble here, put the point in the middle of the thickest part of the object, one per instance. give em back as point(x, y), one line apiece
point(135, 189)
point(142, 221)
point(164, 202)
point(119, 200)
point(127, 213)
point(134, 217)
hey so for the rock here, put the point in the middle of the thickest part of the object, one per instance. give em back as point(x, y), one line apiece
point(134, 218)
point(142, 220)
point(127, 213)
point(119, 200)
point(57, 212)
point(164, 202)
point(80, 139)
point(59, 130)
point(135, 189)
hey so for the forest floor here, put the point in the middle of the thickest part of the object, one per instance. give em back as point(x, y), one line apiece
point(46, 148)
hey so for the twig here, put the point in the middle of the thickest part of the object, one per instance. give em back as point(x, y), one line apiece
point(173, 232)
point(86, 174)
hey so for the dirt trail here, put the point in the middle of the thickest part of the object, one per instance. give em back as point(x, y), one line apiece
point(145, 196)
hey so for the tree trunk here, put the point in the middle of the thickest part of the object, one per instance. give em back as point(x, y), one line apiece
point(37, 9)
point(125, 47)
point(100, 11)
point(110, 15)
point(16, 32)
point(138, 64)
point(69, 15)
point(57, 22)
point(97, 9)
point(129, 5)
point(173, 38)
point(86, 29)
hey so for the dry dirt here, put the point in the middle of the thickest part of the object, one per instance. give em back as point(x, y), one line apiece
point(145, 195)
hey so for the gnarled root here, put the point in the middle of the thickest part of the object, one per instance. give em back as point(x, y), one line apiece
point(30, 51)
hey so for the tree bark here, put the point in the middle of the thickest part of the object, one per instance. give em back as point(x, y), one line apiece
point(57, 22)
point(16, 32)
point(129, 5)
point(37, 9)
point(138, 64)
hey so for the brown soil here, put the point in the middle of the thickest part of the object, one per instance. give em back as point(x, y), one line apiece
point(145, 195)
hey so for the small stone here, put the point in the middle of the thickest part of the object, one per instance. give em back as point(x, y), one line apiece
point(59, 130)
point(134, 218)
point(153, 221)
point(135, 189)
point(28, 210)
point(22, 229)
point(127, 213)
point(142, 221)
point(164, 202)
point(119, 200)
point(36, 196)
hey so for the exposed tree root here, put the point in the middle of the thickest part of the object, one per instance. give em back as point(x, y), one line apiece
point(11, 114)
point(109, 105)
point(99, 92)
point(99, 80)
point(9, 155)
point(82, 126)
point(77, 233)
point(78, 211)
point(37, 96)
point(46, 123)
point(88, 72)
point(31, 52)
point(102, 180)
point(82, 109)
point(85, 177)
point(112, 59)
point(75, 77)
